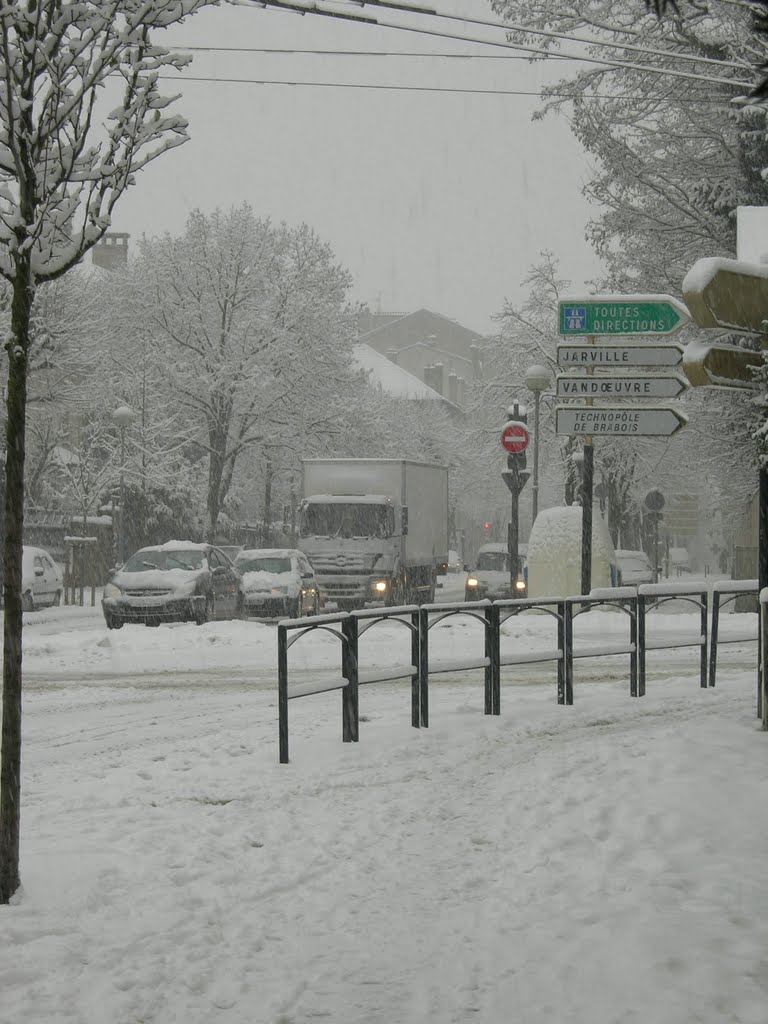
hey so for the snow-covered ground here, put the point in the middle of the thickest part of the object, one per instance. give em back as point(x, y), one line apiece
point(598, 863)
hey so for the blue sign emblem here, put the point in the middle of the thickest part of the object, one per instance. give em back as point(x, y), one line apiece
point(575, 318)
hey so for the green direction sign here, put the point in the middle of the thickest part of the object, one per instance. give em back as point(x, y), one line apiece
point(622, 314)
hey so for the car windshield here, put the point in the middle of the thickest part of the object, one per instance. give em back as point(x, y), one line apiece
point(264, 563)
point(634, 562)
point(346, 520)
point(494, 560)
point(161, 558)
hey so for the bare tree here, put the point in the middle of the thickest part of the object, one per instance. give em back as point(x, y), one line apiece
point(253, 321)
point(62, 169)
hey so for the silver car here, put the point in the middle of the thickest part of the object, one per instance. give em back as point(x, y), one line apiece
point(174, 582)
point(278, 581)
point(42, 583)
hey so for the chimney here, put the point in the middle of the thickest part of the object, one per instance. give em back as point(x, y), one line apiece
point(453, 388)
point(111, 252)
point(477, 364)
point(439, 370)
point(392, 355)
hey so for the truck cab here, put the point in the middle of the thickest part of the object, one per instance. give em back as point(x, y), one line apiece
point(352, 542)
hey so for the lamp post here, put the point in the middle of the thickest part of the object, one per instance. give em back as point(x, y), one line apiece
point(123, 417)
point(537, 379)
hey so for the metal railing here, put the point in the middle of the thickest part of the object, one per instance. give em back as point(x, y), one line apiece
point(651, 597)
point(636, 603)
point(724, 592)
point(346, 626)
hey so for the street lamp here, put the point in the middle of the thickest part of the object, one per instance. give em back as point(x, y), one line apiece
point(537, 380)
point(123, 417)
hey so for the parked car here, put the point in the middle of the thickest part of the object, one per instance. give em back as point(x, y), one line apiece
point(491, 576)
point(634, 567)
point(42, 583)
point(174, 582)
point(278, 581)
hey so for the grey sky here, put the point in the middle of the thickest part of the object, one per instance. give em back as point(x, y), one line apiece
point(441, 200)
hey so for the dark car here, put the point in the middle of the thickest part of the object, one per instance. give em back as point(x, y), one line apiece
point(174, 582)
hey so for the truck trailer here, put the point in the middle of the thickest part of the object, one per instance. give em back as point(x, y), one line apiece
point(375, 530)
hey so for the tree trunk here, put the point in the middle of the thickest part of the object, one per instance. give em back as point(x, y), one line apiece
point(10, 757)
point(215, 471)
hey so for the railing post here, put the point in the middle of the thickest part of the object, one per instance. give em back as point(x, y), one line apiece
point(493, 668)
point(561, 648)
point(704, 626)
point(282, 691)
point(762, 654)
point(568, 652)
point(416, 676)
point(424, 666)
point(641, 609)
point(713, 637)
point(350, 718)
point(633, 644)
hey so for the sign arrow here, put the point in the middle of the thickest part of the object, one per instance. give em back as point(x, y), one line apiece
point(615, 356)
point(618, 420)
point(723, 366)
point(579, 385)
point(728, 293)
point(622, 314)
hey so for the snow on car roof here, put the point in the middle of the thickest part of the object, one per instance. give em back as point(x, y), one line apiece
point(173, 545)
point(269, 552)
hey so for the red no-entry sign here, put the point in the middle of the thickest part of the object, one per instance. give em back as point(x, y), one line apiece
point(515, 437)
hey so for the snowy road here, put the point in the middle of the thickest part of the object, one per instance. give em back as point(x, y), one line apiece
point(599, 863)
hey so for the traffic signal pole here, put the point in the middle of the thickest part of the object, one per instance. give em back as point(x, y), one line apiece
point(513, 535)
point(515, 439)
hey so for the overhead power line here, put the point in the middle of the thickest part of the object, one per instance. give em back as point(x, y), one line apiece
point(646, 51)
point(707, 100)
point(289, 52)
point(300, 7)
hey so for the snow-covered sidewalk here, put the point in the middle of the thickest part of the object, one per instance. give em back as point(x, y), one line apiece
point(598, 863)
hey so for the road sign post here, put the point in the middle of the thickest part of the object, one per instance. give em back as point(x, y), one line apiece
point(733, 294)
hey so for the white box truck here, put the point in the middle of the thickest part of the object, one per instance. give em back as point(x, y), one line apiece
point(375, 530)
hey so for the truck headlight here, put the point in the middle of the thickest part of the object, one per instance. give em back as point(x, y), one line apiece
point(380, 586)
point(471, 581)
point(520, 584)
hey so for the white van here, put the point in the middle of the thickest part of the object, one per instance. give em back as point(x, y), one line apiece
point(554, 553)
